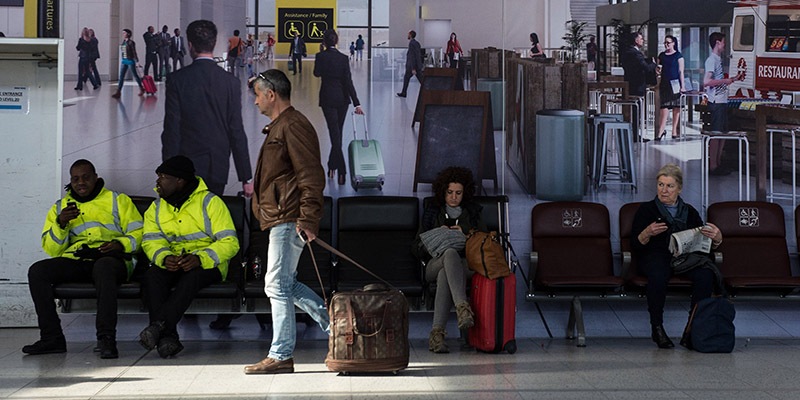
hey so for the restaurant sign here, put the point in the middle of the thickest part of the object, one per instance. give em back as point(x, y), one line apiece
point(777, 74)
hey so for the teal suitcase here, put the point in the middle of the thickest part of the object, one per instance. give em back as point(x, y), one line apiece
point(366, 160)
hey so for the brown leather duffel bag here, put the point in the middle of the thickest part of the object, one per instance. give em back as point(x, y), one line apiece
point(485, 255)
point(369, 330)
point(369, 327)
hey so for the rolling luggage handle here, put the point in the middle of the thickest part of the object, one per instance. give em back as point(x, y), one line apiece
point(342, 255)
point(365, 142)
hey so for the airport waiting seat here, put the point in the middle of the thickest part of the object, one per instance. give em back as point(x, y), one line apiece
point(634, 280)
point(572, 256)
point(377, 232)
point(66, 292)
point(494, 213)
point(755, 254)
point(259, 242)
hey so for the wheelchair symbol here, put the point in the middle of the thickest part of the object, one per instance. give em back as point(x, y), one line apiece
point(292, 27)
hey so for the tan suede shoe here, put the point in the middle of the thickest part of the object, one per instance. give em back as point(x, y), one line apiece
point(271, 366)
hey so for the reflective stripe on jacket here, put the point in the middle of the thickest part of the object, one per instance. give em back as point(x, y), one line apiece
point(109, 216)
point(201, 226)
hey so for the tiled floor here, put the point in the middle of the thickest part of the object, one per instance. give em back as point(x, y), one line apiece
point(123, 140)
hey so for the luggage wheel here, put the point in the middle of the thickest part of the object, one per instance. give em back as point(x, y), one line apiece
point(511, 347)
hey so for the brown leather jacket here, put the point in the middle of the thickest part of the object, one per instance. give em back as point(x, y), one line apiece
point(289, 177)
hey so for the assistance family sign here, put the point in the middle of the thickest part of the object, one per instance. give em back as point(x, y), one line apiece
point(308, 23)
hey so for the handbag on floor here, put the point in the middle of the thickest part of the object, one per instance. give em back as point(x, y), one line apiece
point(710, 328)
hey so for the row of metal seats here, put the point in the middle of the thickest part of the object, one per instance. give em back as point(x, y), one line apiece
point(572, 254)
point(376, 231)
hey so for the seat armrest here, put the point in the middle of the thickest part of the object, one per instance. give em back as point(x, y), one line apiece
point(718, 258)
point(532, 270)
point(626, 264)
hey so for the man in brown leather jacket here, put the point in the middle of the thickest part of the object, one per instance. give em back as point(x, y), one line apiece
point(287, 200)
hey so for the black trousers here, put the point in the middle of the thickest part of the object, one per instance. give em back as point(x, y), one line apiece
point(407, 79)
point(335, 117)
point(106, 274)
point(298, 62)
point(85, 72)
point(658, 271)
point(177, 58)
point(163, 63)
point(151, 58)
point(165, 304)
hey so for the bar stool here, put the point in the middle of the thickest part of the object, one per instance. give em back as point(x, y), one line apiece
point(594, 142)
point(637, 103)
point(740, 137)
point(771, 194)
point(650, 102)
point(685, 108)
point(625, 170)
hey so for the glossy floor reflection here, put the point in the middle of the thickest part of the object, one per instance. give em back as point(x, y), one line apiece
point(122, 138)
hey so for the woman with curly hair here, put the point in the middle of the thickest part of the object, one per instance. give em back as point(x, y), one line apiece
point(440, 244)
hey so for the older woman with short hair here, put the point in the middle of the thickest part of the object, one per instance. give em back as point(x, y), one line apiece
point(653, 224)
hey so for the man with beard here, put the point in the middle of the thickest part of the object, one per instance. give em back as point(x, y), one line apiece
point(90, 233)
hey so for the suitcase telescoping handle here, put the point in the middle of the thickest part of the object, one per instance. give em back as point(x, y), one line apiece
point(342, 255)
point(366, 133)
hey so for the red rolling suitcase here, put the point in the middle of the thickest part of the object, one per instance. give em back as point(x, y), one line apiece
point(149, 84)
point(494, 302)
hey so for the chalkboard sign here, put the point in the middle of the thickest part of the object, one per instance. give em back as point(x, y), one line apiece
point(454, 131)
point(434, 79)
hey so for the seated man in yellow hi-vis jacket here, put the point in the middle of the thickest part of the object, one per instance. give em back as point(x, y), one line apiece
point(189, 236)
point(92, 233)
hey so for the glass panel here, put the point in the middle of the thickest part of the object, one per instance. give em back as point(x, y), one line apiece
point(743, 33)
point(783, 30)
point(353, 13)
point(348, 36)
point(266, 12)
point(380, 37)
point(251, 12)
point(380, 13)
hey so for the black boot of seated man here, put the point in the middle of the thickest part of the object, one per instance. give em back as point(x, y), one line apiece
point(660, 337)
point(150, 336)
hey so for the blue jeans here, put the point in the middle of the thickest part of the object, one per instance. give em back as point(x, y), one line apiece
point(285, 292)
point(124, 70)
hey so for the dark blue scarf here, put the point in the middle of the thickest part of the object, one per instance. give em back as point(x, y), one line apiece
point(678, 222)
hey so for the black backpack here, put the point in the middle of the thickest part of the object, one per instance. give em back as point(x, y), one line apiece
point(711, 326)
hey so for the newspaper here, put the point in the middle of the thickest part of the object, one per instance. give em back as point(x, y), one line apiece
point(689, 241)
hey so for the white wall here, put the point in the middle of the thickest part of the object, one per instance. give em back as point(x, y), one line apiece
point(12, 21)
point(228, 15)
point(478, 23)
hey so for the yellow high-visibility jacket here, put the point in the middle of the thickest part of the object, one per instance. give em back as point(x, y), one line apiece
point(201, 226)
point(109, 216)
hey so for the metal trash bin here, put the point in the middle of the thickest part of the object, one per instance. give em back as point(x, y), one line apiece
point(560, 155)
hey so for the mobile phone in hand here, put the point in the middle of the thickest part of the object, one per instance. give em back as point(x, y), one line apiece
point(449, 222)
point(303, 236)
point(71, 204)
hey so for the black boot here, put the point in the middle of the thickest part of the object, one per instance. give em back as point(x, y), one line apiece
point(108, 347)
point(169, 345)
point(660, 337)
point(150, 336)
point(48, 346)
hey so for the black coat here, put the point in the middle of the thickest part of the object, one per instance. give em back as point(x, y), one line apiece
point(337, 88)
point(300, 45)
point(174, 49)
point(150, 42)
point(414, 56)
point(203, 121)
point(657, 249)
point(636, 70)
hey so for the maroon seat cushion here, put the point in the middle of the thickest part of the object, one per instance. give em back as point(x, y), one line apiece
point(574, 245)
